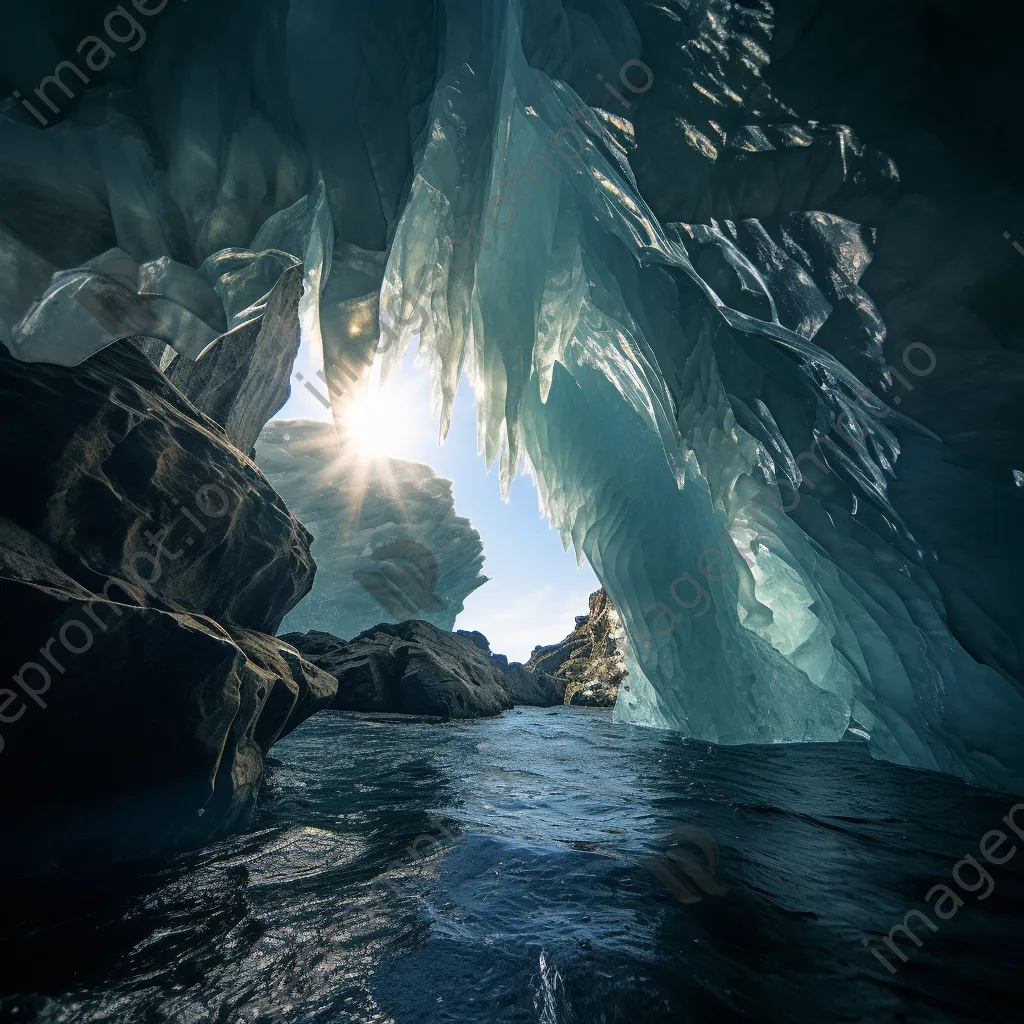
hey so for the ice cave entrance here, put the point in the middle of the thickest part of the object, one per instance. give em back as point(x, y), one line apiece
point(534, 588)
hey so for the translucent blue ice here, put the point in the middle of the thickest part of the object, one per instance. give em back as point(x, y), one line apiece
point(527, 258)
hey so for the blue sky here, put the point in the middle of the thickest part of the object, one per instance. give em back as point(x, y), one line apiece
point(535, 590)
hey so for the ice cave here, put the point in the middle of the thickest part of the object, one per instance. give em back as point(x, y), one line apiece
point(734, 287)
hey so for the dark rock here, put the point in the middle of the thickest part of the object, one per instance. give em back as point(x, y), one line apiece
point(588, 663)
point(123, 478)
point(140, 557)
point(409, 667)
point(130, 731)
point(531, 689)
point(480, 640)
point(525, 687)
point(414, 668)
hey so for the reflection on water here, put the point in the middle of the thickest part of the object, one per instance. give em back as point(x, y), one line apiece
point(548, 866)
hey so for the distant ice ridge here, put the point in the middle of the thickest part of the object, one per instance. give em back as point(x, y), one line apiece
point(527, 257)
point(387, 542)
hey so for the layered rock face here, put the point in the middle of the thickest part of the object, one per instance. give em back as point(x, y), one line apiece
point(414, 668)
point(387, 542)
point(590, 661)
point(143, 561)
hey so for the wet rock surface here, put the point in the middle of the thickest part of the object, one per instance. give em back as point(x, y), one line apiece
point(123, 478)
point(410, 668)
point(143, 563)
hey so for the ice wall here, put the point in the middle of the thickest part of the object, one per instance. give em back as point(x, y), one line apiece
point(527, 256)
point(387, 543)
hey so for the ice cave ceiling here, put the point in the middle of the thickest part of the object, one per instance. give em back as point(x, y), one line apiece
point(752, 334)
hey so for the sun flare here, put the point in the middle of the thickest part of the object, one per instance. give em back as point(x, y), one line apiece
point(374, 422)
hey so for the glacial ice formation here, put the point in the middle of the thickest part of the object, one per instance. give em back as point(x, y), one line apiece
point(756, 612)
point(666, 288)
point(387, 543)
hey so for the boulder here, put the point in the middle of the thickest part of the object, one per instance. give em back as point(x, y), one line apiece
point(532, 689)
point(143, 562)
point(526, 687)
point(414, 668)
point(145, 729)
point(410, 668)
point(112, 468)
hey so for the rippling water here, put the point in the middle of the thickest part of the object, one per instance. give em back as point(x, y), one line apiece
point(547, 866)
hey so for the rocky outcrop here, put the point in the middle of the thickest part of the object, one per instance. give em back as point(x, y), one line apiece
point(410, 668)
point(532, 689)
point(415, 668)
point(387, 542)
point(589, 662)
point(143, 561)
point(122, 478)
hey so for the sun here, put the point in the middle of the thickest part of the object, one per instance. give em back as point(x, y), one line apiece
point(374, 421)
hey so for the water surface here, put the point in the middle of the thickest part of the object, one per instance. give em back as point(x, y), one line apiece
point(548, 866)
